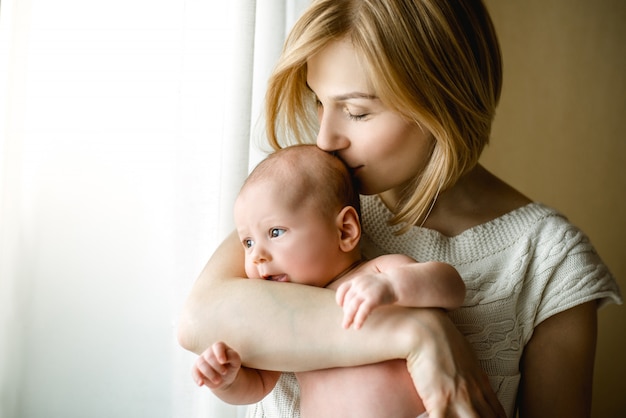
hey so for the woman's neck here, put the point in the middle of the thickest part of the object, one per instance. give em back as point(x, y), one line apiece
point(477, 197)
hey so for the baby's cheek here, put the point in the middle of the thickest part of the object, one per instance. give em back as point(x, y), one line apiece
point(251, 271)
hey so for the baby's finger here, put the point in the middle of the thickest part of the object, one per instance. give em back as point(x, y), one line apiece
point(219, 352)
point(361, 315)
point(197, 376)
point(350, 309)
point(340, 295)
point(209, 360)
point(205, 373)
point(232, 358)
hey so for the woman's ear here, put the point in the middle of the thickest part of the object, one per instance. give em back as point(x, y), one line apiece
point(349, 228)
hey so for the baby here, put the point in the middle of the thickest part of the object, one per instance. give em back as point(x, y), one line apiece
point(297, 216)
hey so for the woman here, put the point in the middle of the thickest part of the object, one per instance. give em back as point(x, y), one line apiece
point(405, 92)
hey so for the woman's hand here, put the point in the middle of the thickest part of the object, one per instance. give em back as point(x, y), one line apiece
point(447, 375)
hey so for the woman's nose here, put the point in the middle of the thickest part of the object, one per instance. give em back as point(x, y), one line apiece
point(330, 137)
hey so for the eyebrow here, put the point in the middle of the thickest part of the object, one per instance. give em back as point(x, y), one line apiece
point(348, 96)
point(354, 95)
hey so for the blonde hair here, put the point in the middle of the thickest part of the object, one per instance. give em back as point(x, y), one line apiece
point(435, 62)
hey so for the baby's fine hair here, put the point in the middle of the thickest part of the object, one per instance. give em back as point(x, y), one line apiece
point(309, 174)
point(435, 62)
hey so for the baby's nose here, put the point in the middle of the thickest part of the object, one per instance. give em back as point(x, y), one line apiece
point(260, 254)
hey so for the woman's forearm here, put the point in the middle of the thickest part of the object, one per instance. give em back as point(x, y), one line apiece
point(287, 327)
point(301, 330)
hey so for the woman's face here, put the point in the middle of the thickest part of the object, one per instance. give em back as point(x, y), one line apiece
point(383, 150)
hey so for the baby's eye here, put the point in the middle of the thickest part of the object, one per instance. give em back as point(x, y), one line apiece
point(247, 243)
point(276, 232)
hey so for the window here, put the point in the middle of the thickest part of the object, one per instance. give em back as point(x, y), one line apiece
point(125, 135)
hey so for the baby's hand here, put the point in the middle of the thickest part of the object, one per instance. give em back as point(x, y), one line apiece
point(216, 367)
point(359, 296)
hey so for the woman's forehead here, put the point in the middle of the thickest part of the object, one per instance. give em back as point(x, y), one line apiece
point(337, 72)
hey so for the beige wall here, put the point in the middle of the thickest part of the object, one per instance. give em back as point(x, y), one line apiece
point(560, 138)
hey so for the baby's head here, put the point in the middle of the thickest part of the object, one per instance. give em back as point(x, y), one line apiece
point(297, 216)
point(308, 175)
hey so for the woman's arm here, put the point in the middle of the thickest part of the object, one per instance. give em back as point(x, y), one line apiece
point(557, 367)
point(288, 327)
point(199, 324)
point(280, 326)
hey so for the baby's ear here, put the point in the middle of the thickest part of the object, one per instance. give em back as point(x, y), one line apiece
point(349, 229)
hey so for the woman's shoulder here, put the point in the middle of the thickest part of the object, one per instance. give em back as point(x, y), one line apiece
point(532, 224)
point(479, 200)
point(532, 241)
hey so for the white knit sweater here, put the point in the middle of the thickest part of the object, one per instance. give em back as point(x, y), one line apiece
point(519, 269)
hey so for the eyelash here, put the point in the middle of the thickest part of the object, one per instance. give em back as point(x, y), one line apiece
point(356, 117)
point(349, 115)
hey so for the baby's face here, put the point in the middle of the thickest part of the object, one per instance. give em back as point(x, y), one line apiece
point(285, 240)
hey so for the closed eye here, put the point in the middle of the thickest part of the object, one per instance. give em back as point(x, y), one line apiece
point(356, 117)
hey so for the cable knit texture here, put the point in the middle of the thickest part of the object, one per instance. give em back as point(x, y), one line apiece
point(519, 270)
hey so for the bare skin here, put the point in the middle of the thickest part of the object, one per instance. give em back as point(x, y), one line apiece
point(570, 357)
point(284, 238)
point(294, 343)
point(445, 371)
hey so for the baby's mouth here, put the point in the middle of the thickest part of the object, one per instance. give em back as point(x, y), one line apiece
point(277, 278)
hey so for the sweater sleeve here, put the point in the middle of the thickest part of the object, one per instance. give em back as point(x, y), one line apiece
point(569, 271)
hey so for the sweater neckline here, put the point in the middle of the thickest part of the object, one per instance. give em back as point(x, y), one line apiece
point(494, 234)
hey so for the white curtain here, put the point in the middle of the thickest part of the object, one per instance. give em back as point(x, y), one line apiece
point(125, 131)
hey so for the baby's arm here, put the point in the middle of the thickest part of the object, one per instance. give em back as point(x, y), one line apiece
point(398, 279)
point(219, 368)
